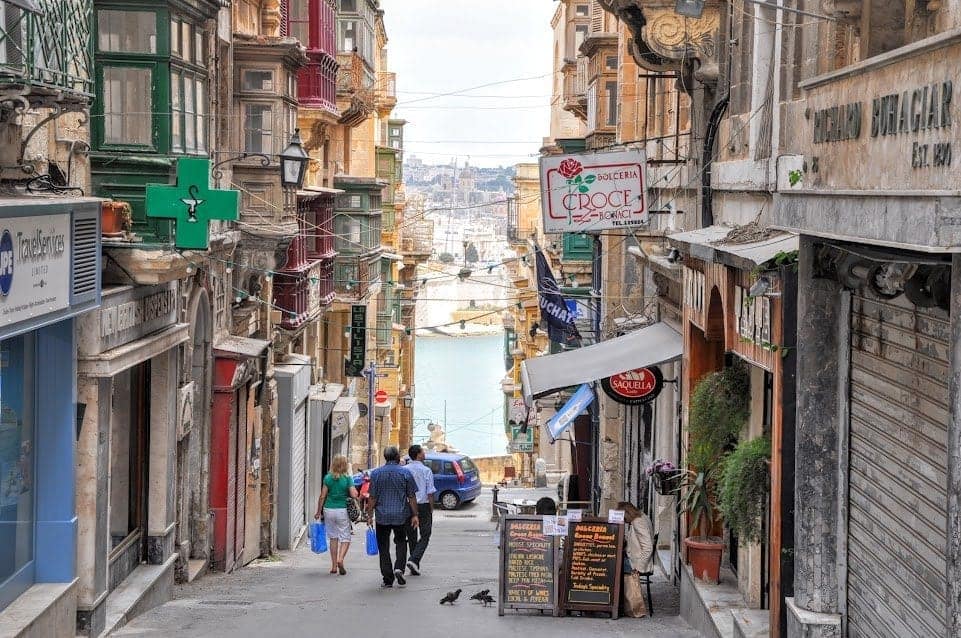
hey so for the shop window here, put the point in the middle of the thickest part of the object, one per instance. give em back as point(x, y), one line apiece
point(127, 105)
point(258, 128)
point(127, 31)
point(128, 463)
point(17, 467)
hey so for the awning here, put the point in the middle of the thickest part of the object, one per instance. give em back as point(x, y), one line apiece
point(345, 414)
point(240, 347)
point(648, 346)
point(574, 407)
point(708, 244)
point(310, 192)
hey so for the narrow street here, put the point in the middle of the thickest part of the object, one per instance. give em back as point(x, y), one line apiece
point(293, 595)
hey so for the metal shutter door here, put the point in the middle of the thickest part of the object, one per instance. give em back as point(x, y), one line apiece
point(896, 583)
point(298, 470)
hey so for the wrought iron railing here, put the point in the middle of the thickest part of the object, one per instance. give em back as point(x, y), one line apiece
point(49, 49)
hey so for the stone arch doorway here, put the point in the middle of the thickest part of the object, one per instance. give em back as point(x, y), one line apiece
point(193, 450)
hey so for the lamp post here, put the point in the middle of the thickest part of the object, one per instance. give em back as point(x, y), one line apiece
point(371, 374)
point(293, 162)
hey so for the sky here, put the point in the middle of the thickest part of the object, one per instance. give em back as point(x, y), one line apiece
point(444, 46)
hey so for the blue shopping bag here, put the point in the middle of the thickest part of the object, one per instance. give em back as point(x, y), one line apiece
point(371, 542)
point(318, 537)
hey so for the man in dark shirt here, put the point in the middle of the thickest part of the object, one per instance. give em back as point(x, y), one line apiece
point(392, 503)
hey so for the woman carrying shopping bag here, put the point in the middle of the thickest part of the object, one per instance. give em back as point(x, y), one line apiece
point(332, 509)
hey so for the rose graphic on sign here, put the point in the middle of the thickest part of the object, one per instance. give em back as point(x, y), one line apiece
point(571, 169)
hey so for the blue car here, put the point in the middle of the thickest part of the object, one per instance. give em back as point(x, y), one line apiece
point(455, 477)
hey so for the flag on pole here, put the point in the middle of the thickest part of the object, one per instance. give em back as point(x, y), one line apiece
point(554, 308)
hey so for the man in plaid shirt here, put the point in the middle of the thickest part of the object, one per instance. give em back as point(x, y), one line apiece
point(392, 505)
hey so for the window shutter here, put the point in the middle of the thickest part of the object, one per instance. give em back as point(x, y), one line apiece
point(597, 17)
point(284, 18)
point(84, 257)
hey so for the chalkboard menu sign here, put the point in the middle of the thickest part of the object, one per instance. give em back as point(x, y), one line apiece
point(592, 566)
point(528, 568)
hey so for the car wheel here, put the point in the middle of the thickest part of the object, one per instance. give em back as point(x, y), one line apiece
point(449, 501)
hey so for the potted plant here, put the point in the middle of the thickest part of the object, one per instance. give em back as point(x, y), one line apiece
point(115, 218)
point(743, 489)
point(703, 550)
point(719, 409)
point(665, 475)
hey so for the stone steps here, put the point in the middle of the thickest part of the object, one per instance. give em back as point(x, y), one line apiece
point(751, 623)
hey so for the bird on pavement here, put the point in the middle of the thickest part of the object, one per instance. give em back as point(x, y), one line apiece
point(480, 595)
point(487, 600)
point(450, 597)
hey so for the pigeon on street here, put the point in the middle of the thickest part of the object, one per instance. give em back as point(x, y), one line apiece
point(487, 600)
point(450, 597)
point(480, 595)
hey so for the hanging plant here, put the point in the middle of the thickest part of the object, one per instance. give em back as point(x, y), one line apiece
point(745, 482)
point(720, 407)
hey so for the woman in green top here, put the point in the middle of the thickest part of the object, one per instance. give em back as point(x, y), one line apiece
point(332, 509)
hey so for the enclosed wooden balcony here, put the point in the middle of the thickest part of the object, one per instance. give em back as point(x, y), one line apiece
point(45, 53)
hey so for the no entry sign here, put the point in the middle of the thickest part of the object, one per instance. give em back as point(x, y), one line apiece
point(380, 396)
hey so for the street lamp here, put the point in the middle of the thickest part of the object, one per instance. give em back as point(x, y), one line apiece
point(408, 401)
point(293, 162)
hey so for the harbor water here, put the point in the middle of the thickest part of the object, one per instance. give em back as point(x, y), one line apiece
point(464, 373)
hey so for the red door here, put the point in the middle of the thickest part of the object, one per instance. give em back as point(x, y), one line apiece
point(240, 473)
point(228, 465)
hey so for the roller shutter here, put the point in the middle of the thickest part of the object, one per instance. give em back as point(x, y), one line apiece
point(896, 585)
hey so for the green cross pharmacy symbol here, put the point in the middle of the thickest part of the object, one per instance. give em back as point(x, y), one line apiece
point(192, 203)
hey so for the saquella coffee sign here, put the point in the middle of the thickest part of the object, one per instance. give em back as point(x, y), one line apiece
point(634, 387)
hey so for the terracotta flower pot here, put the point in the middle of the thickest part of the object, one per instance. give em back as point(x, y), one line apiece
point(112, 219)
point(704, 557)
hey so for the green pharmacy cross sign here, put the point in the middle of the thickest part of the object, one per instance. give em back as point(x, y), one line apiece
point(192, 203)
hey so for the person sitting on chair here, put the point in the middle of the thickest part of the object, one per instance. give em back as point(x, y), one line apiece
point(640, 541)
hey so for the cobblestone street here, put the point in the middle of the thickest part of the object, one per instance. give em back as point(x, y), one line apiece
point(295, 596)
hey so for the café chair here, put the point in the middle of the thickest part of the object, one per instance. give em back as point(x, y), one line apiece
point(646, 578)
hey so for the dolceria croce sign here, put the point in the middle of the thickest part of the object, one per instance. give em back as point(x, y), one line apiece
point(593, 191)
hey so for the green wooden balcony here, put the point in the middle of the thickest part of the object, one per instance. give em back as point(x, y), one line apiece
point(45, 49)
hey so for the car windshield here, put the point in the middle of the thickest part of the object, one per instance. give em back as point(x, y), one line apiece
point(467, 465)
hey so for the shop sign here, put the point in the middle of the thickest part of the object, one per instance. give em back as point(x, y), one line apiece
point(522, 441)
point(34, 266)
point(753, 317)
point(192, 203)
point(634, 387)
point(127, 316)
point(358, 341)
point(593, 191)
point(517, 411)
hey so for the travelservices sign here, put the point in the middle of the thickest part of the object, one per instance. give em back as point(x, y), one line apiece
point(593, 191)
point(34, 266)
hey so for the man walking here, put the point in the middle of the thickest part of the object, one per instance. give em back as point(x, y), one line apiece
point(424, 478)
point(392, 506)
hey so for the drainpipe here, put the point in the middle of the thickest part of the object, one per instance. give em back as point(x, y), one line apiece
point(596, 280)
point(713, 123)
